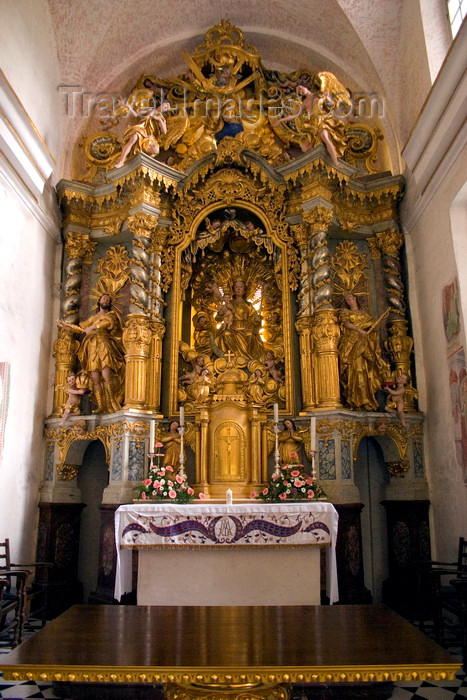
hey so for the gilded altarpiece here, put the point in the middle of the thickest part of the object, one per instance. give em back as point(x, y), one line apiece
point(238, 260)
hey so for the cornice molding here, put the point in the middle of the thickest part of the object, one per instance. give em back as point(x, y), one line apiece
point(20, 142)
point(439, 134)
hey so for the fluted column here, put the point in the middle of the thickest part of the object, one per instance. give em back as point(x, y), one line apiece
point(255, 445)
point(304, 330)
point(154, 366)
point(324, 323)
point(399, 345)
point(78, 249)
point(202, 452)
point(64, 351)
point(325, 330)
point(136, 341)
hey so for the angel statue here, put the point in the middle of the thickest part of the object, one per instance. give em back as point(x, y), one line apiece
point(321, 117)
point(291, 441)
point(171, 440)
point(144, 136)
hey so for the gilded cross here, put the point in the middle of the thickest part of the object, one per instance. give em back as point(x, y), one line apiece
point(229, 439)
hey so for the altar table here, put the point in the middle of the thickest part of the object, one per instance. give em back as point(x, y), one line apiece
point(226, 554)
point(227, 652)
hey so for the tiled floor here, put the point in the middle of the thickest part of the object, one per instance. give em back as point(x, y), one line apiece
point(448, 690)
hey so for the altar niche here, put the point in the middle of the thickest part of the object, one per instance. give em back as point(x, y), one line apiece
point(234, 347)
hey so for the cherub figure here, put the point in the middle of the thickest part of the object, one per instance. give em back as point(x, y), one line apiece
point(189, 377)
point(199, 388)
point(270, 365)
point(226, 311)
point(395, 400)
point(72, 404)
point(213, 290)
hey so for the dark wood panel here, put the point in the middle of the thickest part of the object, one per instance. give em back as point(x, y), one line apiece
point(136, 638)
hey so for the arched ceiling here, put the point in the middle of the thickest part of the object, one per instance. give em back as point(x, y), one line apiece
point(105, 45)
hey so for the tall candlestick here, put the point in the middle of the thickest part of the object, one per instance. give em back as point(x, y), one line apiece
point(312, 434)
point(152, 435)
point(276, 413)
point(182, 415)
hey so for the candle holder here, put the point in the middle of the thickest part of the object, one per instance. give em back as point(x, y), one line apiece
point(181, 469)
point(313, 454)
point(277, 470)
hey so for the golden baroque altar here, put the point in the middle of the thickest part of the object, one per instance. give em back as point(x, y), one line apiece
point(221, 265)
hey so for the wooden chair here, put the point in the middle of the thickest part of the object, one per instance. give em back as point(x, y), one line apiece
point(460, 586)
point(35, 593)
point(436, 593)
point(12, 606)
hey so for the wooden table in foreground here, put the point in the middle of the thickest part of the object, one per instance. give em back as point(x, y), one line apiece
point(202, 652)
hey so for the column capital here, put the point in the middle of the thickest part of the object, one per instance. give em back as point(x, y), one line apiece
point(79, 245)
point(318, 218)
point(143, 223)
point(390, 242)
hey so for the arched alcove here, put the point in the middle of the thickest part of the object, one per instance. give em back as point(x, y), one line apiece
point(93, 478)
point(372, 479)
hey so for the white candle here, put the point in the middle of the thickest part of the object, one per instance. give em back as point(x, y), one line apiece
point(276, 413)
point(228, 497)
point(152, 435)
point(182, 415)
point(312, 434)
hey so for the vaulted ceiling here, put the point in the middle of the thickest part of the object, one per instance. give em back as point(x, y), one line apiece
point(105, 45)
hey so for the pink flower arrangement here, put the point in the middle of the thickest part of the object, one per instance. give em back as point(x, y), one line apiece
point(162, 484)
point(291, 485)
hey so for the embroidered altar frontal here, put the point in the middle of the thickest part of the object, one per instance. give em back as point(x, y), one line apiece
point(209, 554)
point(152, 524)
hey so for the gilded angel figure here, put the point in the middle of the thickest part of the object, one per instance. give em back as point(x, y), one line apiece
point(322, 116)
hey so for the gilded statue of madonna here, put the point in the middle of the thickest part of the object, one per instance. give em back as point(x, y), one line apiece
point(241, 335)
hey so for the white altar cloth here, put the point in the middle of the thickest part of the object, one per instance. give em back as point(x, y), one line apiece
point(238, 526)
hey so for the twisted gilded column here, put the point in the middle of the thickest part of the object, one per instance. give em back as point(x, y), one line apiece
point(303, 323)
point(399, 345)
point(324, 321)
point(78, 249)
point(137, 333)
point(158, 238)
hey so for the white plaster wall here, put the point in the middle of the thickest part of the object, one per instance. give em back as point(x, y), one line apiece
point(434, 264)
point(28, 58)
point(414, 74)
point(29, 257)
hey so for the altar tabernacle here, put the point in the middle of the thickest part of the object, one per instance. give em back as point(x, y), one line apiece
point(245, 553)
